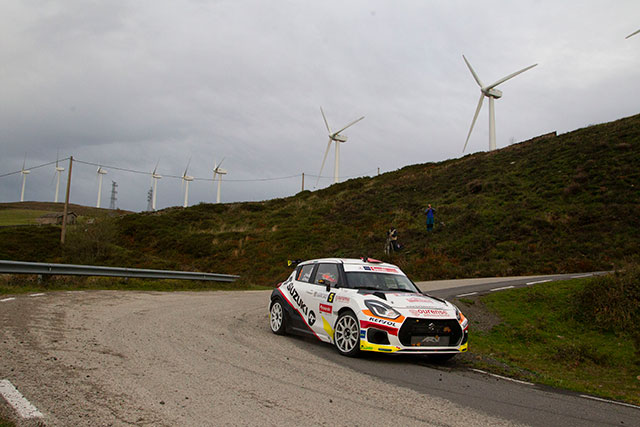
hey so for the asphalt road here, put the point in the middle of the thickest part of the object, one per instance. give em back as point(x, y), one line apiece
point(209, 358)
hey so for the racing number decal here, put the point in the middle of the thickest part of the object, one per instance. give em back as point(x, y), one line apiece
point(331, 296)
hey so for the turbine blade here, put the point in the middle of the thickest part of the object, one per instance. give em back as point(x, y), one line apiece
point(57, 157)
point(187, 168)
point(326, 123)
point(220, 162)
point(475, 116)
point(632, 34)
point(324, 159)
point(475, 76)
point(156, 168)
point(349, 125)
point(512, 75)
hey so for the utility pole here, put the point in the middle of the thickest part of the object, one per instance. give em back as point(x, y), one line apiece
point(302, 181)
point(66, 204)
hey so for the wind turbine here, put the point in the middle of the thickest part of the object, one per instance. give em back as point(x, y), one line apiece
point(155, 178)
point(632, 34)
point(492, 93)
point(218, 171)
point(59, 170)
point(337, 138)
point(24, 173)
point(186, 179)
point(101, 172)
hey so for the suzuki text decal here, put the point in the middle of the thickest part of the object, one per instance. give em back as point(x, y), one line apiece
point(303, 307)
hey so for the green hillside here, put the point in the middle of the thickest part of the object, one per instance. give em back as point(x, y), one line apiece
point(557, 204)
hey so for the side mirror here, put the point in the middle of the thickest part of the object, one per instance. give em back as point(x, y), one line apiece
point(325, 283)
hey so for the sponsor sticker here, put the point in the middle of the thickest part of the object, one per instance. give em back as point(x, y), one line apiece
point(381, 269)
point(326, 308)
point(342, 299)
point(381, 321)
point(429, 312)
point(312, 318)
point(418, 299)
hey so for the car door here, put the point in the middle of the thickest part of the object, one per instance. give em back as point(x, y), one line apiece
point(299, 294)
point(327, 275)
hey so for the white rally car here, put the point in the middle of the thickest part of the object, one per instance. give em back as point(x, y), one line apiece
point(366, 305)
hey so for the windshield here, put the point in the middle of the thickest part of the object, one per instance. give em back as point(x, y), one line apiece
point(380, 282)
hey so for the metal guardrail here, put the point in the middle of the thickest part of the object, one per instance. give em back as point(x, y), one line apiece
point(19, 267)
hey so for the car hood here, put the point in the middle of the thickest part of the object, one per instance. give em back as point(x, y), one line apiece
point(415, 301)
point(411, 302)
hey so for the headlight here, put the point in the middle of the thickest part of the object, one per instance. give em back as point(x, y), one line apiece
point(461, 318)
point(381, 309)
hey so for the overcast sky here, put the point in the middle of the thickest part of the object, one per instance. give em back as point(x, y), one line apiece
point(128, 84)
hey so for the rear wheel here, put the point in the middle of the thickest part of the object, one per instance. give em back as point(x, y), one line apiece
point(277, 318)
point(347, 334)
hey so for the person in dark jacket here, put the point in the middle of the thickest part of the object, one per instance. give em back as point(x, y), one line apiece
point(430, 217)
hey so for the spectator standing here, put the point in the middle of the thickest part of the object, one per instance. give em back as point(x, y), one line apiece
point(392, 244)
point(430, 217)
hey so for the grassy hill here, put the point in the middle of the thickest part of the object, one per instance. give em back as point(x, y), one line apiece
point(556, 204)
point(45, 207)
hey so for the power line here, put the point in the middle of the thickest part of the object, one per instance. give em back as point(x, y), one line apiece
point(212, 180)
point(34, 167)
point(180, 177)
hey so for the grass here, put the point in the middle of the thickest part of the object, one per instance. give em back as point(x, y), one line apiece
point(552, 334)
point(19, 216)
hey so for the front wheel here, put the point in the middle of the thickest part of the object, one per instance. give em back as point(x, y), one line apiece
point(347, 335)
point(277, 318)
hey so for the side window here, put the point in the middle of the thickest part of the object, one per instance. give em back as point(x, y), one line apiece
point(304, 274)
point(328, 272)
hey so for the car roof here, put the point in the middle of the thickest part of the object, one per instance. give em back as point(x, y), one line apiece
point(351, 261)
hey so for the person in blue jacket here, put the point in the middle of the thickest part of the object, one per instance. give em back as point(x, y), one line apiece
point(430, 217)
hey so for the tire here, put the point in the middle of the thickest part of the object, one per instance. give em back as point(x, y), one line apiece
point(346, 335)
point(278, 318)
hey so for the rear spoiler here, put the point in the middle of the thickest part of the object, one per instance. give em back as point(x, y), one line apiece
point(293, 263)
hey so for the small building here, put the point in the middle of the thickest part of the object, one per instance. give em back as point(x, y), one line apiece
point(55, 218)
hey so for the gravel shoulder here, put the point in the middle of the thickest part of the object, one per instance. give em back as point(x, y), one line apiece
point(148, 358)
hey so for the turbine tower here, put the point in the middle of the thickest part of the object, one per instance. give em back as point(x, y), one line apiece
point(337, 138)
point(155, 178)
point(492, 93)
point(59, 170)
point(632, 34)
point(101, 172)
point(186, 179)
point(218, 171)
point(24, 173)
point(114, 198)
